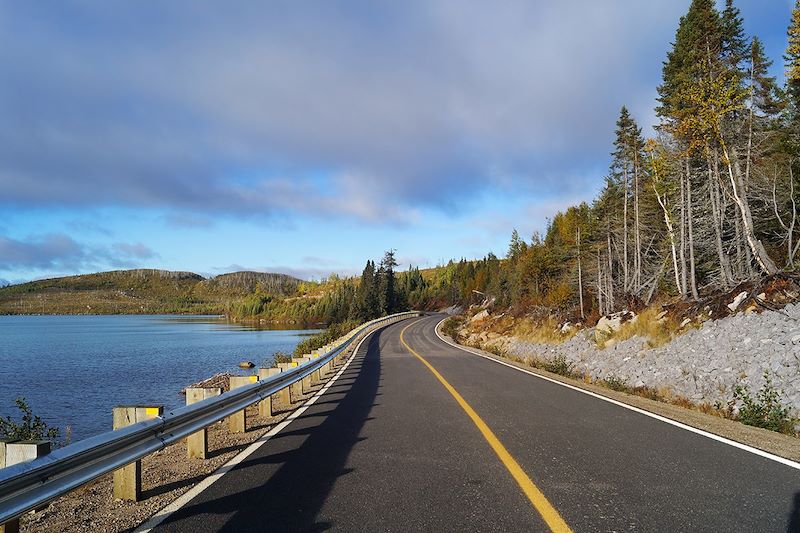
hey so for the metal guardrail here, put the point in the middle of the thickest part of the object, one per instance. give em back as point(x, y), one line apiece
point(30, 485)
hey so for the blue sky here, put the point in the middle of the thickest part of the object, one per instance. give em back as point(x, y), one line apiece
point(307, 137)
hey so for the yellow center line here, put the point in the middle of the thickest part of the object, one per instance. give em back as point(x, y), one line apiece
point(548, 513)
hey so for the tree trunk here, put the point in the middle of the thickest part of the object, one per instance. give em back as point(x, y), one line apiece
point(740, 197)
point(599, 285)
point(713, 189)
point(625, 231)
point(636, 229)
point(580, 273)
point(683, 235)
point(690, 233)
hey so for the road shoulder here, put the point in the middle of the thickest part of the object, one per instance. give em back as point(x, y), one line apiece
point(762, 439)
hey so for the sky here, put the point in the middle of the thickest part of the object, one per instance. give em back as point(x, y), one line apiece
point(308, 137)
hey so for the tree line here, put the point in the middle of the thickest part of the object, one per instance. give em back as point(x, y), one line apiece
point(706, 203)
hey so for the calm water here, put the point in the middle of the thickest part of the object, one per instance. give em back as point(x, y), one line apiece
point(74, 369)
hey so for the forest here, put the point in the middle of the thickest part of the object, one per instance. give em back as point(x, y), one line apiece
point(708, 202)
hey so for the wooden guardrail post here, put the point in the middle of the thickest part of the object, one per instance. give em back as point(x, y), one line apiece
point(237, 422)
point(295, 389)
point(128, 479)
point(305, 383)
point(265, 406)
point(197, 443)
point(12, 452)
point(3, 446)
point(316, 375)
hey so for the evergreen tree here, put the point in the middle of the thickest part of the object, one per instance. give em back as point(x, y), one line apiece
point(766, 96)
point(792, 58)
point(367, 295)
point(699, 36)
point(516, 246)
point(733, 45)
point(387, 296)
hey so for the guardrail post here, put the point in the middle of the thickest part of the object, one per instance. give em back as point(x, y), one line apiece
point(265, 407)
point(237, 422)
point(12, 452)
point(3, 444)
point(305, 383)
point(128, 479)
point(316, 375)
point(197, 443)
point(295, 389)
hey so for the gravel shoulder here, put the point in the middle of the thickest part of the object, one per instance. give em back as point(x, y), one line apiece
point(166, 475)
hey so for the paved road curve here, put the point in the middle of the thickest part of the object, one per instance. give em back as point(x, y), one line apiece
point(392, 446)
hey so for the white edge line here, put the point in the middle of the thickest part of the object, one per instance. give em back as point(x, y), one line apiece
point(189, 495)
point(724, 440)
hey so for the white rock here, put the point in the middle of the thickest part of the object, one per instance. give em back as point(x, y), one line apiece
point(480, 316)
point(737, 301)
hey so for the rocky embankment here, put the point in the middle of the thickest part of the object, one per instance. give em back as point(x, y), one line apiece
point(704, 364)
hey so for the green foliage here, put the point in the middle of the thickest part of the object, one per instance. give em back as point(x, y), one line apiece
point(560, 365)
point(615, 383)
point(281, 357)
point(765, 410)
point(29, 427)
point(451, 326)
point(326, 336)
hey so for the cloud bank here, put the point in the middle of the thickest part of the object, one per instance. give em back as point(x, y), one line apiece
point(366, 110)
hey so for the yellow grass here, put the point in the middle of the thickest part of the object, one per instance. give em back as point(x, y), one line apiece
point(648, 326)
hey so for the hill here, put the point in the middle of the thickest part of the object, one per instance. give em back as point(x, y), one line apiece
point(142, 291)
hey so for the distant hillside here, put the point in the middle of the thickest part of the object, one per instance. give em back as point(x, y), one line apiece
point(249, 282)
point(142, 291)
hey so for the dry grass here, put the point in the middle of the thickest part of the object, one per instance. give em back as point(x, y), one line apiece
point(650, 325)
point(546, 331)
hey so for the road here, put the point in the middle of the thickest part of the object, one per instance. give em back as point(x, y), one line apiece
point(417, 435)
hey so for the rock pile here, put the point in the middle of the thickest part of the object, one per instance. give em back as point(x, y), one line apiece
point(704, 364)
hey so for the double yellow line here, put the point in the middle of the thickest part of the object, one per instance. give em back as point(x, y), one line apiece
point(548, 513)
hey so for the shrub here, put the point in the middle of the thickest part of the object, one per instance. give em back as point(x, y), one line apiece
point(560, 365)
point(765, 410)
point(31, 427)
point(615, 383)
point(326, 336)
point(451, 326)
point(281, 357)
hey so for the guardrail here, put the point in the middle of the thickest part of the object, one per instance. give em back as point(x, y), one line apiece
point(27, 486)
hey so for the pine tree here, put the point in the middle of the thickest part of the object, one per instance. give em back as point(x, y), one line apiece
point(367, 296)
point(515, 247)
point(765, 94)
point(733, 44)
point(699, 35)
point(387, 296)
point(792, 58)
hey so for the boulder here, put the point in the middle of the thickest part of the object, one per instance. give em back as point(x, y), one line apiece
point(483, 315)
point(611, 323)
point(734, 305)
point(247, 364)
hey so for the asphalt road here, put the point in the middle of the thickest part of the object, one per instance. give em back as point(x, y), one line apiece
point(389, 448)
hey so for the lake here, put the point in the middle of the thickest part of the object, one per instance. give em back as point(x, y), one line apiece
point(74, 369)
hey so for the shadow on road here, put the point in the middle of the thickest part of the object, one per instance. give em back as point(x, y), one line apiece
point(283, 485)
point(794, 517)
